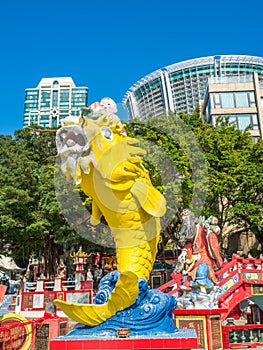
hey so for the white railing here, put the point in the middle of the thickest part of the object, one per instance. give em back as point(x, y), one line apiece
point(230, 79)
point(42, 285)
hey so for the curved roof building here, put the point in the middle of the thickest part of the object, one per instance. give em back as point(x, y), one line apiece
point(181, 86)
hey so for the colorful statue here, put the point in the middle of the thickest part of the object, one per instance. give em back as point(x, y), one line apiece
point(61, 269)
point(200, 255)
point(106, 107)
point(98, 155)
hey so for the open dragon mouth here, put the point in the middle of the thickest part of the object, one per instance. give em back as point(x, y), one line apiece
point(72, 139)
point(73, 147)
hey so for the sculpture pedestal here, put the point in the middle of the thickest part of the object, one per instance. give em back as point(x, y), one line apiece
point(207, 324)
point(182, 339)
point(149, 324)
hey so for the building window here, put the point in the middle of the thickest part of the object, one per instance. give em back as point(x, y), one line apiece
point(64, 99)
point(45, 121)
point(55, 121)
point(244, 99)
point(55, 99)
point(79, 98)
point(33, 118)
point(76, 113)
point(241, 121)
point(240, 99)
point(252, 100)
point(45, 100)
point(227, 100)
point(217, 101)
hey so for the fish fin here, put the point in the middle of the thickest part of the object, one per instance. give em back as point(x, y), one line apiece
point(96, 214)
point(151, 200)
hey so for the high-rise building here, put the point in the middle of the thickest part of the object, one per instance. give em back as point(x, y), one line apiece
point(239, 98)
point(52, 100)
point(181, 86)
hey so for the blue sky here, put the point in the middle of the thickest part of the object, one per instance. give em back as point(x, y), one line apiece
point(109, 45)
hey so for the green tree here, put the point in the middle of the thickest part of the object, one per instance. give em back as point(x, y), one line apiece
point(233, 163)
point(246, 212)
point(235, 176)
point(31, 220)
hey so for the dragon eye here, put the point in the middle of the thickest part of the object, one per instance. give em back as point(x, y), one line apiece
point(107, 133)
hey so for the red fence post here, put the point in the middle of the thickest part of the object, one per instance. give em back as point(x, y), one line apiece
point(225, 338)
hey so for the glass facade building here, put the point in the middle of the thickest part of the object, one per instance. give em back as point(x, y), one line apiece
point(52, 100)
point(238, 98)
point(181, 86)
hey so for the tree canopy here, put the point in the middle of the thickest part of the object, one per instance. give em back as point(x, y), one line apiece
point(31, 219)
point(213, 170)
point(220, 170)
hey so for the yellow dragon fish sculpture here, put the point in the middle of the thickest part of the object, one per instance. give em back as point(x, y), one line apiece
point(107, 164)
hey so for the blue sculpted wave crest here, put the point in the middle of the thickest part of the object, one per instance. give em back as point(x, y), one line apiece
point(152, 313)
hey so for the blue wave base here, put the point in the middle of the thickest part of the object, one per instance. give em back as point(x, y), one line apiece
point(150, 315)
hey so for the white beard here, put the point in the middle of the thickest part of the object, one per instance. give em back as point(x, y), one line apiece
point(71, 162)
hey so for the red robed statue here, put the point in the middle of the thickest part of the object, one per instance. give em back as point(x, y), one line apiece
point(200, 255)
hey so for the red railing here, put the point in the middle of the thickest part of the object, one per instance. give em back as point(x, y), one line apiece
point(243, 270)
point(17, 336)
point(172, 286)
point(239, 265)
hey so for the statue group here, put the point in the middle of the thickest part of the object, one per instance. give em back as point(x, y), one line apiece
point(199, 258)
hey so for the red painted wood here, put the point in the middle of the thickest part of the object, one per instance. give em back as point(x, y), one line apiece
point(131, 343)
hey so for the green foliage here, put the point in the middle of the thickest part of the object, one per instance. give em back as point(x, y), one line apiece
point(246, 211)
point(31, 222)
point(232, 186)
